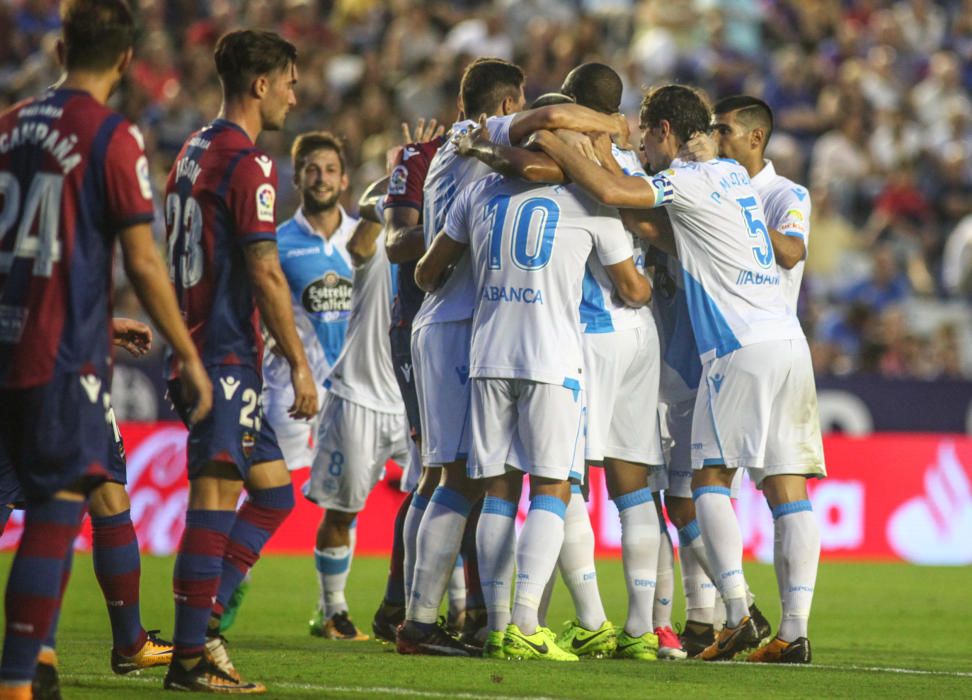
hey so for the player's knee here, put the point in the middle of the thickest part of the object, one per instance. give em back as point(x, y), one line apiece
point(107, 499)
point(784, 488)
point(681, 511)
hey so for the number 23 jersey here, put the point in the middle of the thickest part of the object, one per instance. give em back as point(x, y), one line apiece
point(220, 197)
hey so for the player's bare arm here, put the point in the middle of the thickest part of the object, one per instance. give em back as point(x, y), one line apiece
point(789, 250)
point(631, 286)
point(510, 161)
point(149, 277)
point(564, 116)
point(652, 225)
point(434, 266)
point(404, 238)
point(131, 335)
point(273, 299)
point(369, 203)
point(607, 187)
point(362, 244)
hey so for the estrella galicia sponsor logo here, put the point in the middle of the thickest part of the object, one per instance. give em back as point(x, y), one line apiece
point(328, 293)
point(518, 295)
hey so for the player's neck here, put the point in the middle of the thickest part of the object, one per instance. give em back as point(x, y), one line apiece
point(244, 116)
point(324, 222)
point(754, 165)
point(98, 85)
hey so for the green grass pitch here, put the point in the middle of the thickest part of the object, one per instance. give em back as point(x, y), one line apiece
point(878, 630)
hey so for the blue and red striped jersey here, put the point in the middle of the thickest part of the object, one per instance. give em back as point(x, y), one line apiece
point(220, 197)
point(73, 173)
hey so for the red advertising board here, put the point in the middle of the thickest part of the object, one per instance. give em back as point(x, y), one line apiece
point(889, 496)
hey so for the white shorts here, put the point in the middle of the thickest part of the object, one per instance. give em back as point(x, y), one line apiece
point(354, 443)
point(297, 438)
point(757, 409)
point(413, 470)
point(440, 360)
point(531, 426)
point(621, 385)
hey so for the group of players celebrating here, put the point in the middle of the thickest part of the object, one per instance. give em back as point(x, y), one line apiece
point(524, 294)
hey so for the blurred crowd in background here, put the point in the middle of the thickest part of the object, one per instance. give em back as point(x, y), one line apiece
point(871, 99)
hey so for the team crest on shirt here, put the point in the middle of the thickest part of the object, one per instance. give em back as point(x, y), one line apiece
point(265, 197)
point(397, 180)
point(247, 443)
point(142, 175)
point(327, 294)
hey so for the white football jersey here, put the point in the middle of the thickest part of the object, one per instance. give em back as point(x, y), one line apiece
point(448, 174)
point(600, 310)
point(528, 245)
point(787, 207)
point(363, 374)
point(680, 367)
point(732, 283)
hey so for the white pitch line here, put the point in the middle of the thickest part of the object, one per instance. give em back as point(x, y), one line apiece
point(864, 669)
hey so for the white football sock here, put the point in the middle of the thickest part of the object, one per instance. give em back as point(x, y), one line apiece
point(723, 546)
point(577, 564)
point(665, 586)
point(800, 548)
point(495, 551)
point(640, 539)
point(333, 565)
point(700, 592)
point(413, 519)
point(545, 600)
point(436, 549)
point(457, 589)
point(537, 551)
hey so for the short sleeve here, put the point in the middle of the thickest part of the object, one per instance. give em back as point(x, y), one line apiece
point(628, 162)
point(795, 220)
point(611, 242)
point(407, 178)
point(252, 198)
point(128, 188)
point(457, 222)
point(499, 129)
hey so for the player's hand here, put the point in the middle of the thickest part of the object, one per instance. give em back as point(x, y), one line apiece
point(423, 131)
point(700, 148)
point(623, 137)
point(466, 141)
point(579, 142)
point(538, 139)
point(305, 393)
point(197, 390)
point(132, 335)
point(602, 146)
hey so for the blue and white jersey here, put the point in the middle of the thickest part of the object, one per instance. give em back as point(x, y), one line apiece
point(680, 367)
point(448, 174)
point(732, 283)
point(787, 207)
point(320, 277)
point(363, 374)
point(528, 245)
point(600, 310)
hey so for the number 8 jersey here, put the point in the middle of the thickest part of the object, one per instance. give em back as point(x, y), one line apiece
point(529, 247)
point(220, 196)
point(73, 174)
point(732, 282)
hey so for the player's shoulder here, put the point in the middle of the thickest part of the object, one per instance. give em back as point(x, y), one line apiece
point(420, 152)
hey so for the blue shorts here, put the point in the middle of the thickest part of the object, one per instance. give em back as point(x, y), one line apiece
point(235, 430)
point(401, 354)
point(55, 436)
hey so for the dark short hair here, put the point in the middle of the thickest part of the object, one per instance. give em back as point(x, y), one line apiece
point(486, 82)
point(96, 33)
point(596, 86)
point(551, 98)
point(311, 141)
point(751, 111)
point(244, 55)
point(684, 108)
